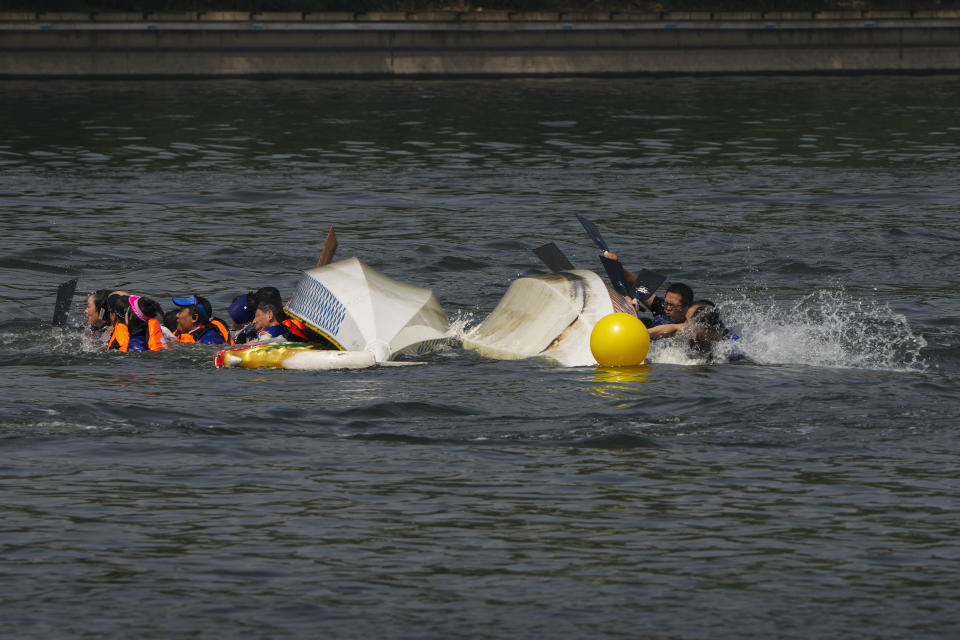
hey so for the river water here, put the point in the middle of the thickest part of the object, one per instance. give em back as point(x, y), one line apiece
point(809, 491)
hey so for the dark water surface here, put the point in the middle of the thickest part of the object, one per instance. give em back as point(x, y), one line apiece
point(810, 492)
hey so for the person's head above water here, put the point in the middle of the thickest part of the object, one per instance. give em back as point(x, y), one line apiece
point(676, 301)
point(96, 311)
point(139, 312)
point(266, 315)
point(242, 309)
point(270, 295)
point(117, 306)
point(704, 319)
point(170, 319)
point(195, 311)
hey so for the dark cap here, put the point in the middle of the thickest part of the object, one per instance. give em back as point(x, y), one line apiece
point(241, 310)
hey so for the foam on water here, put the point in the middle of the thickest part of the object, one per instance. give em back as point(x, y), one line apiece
point(827, 328)
point(461, 325)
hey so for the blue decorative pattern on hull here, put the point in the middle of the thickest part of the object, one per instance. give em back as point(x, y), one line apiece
point(314, 303)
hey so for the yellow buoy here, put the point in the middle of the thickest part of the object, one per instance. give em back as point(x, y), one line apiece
point(619, 340)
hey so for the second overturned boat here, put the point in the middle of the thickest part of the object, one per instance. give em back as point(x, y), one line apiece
point(548, 316)
point(365, 315)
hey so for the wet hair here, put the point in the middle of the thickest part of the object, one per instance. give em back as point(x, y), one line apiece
point(118, 304)
point(100, 302)
point(149, 308)
point(684, 291)
point(170, 319)
point(271, 307)
point(708, 327)
point(708, 316)
point(270, 295)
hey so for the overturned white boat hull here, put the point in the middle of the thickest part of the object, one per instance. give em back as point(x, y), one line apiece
point(548, 316)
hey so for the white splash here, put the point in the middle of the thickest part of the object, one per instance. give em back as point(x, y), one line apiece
point(461, 325)
point(824, 329)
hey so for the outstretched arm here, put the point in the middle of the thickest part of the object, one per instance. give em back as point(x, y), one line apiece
point(631, 277)
point(664, 330)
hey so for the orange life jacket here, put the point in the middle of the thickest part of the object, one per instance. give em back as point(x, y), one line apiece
point(296, 328)
point(222, 328)
point(120, 338)
point(187, 337)
point(155, 340)
point(215, 325)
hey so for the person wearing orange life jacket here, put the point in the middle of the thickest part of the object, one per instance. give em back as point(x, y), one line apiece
point(135, 328)
point(267, 324)
point(195, 323)
point(146, 332)
point(244, 306)
point(117, 307)
point(296, 330)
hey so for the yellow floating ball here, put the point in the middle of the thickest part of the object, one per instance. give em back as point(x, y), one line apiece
point(619, 340)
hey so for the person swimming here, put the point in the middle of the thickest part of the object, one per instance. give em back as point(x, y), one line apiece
point(195, 324)
point(136, 328)
point(96, 312)
point(143, 321)
point(707, 330)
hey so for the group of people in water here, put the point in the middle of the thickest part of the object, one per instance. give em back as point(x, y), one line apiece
point(676, 314)
point(132, 323)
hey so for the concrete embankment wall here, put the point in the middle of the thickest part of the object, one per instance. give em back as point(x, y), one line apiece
point(482, 43)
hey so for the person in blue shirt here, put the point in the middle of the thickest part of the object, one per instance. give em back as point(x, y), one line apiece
point(267, 323)
point(194, 323)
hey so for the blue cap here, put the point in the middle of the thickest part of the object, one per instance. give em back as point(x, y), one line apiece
point(192, 301)
point(241, 310)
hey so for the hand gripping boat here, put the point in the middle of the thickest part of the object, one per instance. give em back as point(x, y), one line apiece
point(549, 316)
point(369, 318)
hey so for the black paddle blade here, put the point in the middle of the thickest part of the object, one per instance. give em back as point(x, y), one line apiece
point(551, 256)
point(615, 272)
point(64, 298)
point(647, 283)
point(593, 232)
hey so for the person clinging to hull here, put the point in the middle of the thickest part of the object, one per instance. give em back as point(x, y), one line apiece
point(245, 306)
point(266, 322)
point(647, 303)
point(674, 306)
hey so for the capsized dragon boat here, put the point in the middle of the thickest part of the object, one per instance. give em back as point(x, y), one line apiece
point(367, 317)
point(549, 316)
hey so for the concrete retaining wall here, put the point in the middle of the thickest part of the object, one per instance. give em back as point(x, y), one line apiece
point(473, 44)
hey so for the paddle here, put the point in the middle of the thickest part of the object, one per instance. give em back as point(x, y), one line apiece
point(618, 277)
point(329, 248)
point(64, 298)
point(593, 232)
point(551, 256)
point(645, 282)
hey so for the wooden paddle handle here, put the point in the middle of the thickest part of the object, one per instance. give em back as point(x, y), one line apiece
point(329, 248)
